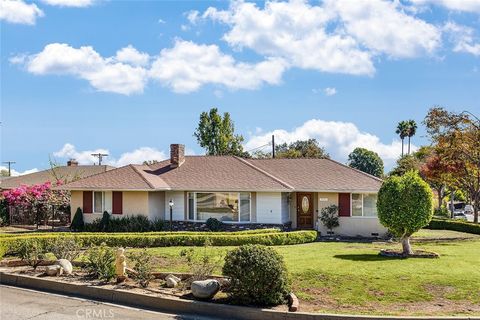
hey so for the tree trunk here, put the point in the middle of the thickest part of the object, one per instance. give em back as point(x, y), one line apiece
point(452, 208)
point(475, 210)
point(408, 144)
point(440, 197)
point(407, 248)
point(402, 147)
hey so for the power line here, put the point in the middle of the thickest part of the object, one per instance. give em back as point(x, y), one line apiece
point(9, 166)
point(265, 145)
point(100, 157)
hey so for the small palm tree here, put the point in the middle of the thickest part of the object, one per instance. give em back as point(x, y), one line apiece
point(411, 130)
point(402, 128)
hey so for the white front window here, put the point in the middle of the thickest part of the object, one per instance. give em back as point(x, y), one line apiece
point(223, 206)
point(364, 205)
point(98, 201)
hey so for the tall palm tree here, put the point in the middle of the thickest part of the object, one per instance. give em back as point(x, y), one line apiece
point(402, 131)
point(411, 130)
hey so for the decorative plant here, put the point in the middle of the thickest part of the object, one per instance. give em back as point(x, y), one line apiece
point(100, 262)
point(214, 224)
point(65, 247)
point(405, 205)
point(202, 263)
point(142, 264)
point(105, 222)
point(77, 222)
point(32, 251)
point(258, 275)
point(329, 217)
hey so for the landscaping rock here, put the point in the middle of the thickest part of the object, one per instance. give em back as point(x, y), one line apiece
point(205, 289)
point(54, 270)
point(172, 281)
point(66, 265)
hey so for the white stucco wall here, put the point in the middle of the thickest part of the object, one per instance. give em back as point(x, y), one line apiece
point(285, 207)
point(156, 205)
point(178, 198)
point(357, 226)
point(269, 207)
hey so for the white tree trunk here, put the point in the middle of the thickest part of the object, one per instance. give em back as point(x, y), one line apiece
point(407, 248)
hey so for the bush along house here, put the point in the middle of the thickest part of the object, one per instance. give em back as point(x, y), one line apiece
point(242, 193)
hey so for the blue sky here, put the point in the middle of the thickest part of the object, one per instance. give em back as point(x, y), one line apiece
point(129, 78)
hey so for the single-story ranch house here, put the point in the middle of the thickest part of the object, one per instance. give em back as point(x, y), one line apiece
point(288, 193)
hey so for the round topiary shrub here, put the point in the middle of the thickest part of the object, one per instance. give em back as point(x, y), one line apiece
point(405, 205)
point(214, 224)
point(258, 275)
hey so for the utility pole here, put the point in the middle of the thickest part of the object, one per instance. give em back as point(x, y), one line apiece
point(100, 157)
point(273, 146)
point(9, 163)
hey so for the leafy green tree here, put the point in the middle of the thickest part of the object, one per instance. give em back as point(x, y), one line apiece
point(329, 217)
point(405, 164)
point(405, 205)
point(301, 149)
point(402, 131)
point(366, 161)
point(216, 133)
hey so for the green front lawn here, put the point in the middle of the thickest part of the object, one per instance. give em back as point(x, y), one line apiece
point(352, 278)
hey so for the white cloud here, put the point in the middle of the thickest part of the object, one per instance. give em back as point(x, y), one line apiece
point(15, 173)
point(17, 11)
point(295, 31)
point(330, 91)
point(133, 56)
point(137, 156)
point(70, 3)
point(187, 66)
point(338, 138)
point(160, 20)
point(104, 74)
point(383, 27)
point(462, 38)
point(193, 16)
point(457, 5)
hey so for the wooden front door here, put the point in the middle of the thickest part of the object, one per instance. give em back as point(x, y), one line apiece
point(304, 210)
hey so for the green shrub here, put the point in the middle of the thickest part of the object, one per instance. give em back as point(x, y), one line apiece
point(329, 217)
point(65, 247)
point(142, 265)
point(258, 275)
point(269, 237)
point(405, 205)
point(4, 215)
point(3, 250)
point(441, 212)
point(105, 222)
point(100, 262)
point(77, 221)
point(32, 251)
point(454, 225)
point(214, 224)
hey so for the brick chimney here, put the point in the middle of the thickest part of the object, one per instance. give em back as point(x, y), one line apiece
point(72, 163)
point(177, 155)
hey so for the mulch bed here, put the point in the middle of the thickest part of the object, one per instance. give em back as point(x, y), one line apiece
point(391, 253)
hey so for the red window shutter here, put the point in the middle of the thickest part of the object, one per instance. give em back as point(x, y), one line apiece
point(87, 201)
point(117, 202)
point(344, 204)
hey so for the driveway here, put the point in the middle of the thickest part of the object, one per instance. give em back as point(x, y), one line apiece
point(22, 304)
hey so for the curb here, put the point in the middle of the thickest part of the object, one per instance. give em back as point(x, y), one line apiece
point(188, 307)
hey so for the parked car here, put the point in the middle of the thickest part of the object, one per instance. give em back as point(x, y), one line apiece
point(459, 216)
point(468, 209)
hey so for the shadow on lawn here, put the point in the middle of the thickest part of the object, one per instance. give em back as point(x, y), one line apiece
point(363, 257)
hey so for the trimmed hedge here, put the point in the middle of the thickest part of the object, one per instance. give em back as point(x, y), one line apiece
point(455, 225)
point(140, 240)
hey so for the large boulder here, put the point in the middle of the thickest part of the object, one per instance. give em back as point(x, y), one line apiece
point(205, 289)
point(66, 265)
point(54, 270)
point(172, 281)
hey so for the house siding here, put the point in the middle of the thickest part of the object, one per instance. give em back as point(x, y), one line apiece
point(269, 207)
point(285, 207)
point(178, 198)
point(156, 205)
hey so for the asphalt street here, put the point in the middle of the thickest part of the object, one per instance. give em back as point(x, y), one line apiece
point(22, 304)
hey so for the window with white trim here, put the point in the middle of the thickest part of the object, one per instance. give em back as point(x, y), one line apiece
point(223, 206)
point(98, 201)
point(364, 205)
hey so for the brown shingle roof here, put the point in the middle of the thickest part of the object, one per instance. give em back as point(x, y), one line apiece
point(226, 173)
point(67, 173)
point(318, 174)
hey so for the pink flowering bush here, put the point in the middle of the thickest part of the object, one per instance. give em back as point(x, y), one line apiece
point(39, 198)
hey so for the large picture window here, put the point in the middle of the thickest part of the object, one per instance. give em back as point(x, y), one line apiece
point(364, 205)
point(223, 206)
